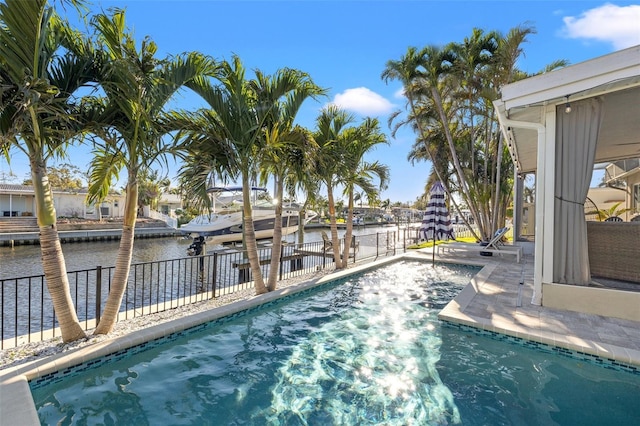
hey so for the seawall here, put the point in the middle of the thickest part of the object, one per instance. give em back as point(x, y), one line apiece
point(23, 238)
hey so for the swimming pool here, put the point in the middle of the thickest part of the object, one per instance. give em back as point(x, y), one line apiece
point(366, 350)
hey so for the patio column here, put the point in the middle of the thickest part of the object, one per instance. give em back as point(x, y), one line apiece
point(518, 190)
point(543, 136)
point(544, 213)
point(576, 140)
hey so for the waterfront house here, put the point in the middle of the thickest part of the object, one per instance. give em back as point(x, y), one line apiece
point(168, 203)
point(19, 201)
point(557, 125)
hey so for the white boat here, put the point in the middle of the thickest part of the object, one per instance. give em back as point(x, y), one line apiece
point(224, 223)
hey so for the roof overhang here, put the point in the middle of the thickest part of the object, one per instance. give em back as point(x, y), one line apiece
point(614, 77)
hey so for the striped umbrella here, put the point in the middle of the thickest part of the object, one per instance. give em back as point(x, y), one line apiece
point(436, 223)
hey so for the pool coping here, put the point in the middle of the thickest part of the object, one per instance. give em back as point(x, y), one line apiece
point(527, 322)
point(16, 401)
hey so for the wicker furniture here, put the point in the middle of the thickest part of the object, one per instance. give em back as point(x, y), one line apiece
point(614, 250)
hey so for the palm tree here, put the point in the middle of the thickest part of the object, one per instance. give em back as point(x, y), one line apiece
point(471, 59)
point(138, 87)
point(411, 70)
point(330, 126)
point(37, 117)
point(503, 68)
point(150, 188)
point(286, 147)
point(450, 92)
point(357, 142)
point(252, 121)
point(231, 124)
point(437, 63)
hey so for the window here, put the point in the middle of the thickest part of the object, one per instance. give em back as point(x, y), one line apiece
point(635, 202)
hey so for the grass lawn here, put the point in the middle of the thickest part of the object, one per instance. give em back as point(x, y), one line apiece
point(508, 237)
point(430, 242)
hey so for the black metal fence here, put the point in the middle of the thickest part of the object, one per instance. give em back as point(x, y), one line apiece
point(27, 312)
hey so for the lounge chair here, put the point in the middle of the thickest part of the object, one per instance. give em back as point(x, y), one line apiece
point(494, 246)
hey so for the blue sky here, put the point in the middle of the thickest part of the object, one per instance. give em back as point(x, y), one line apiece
point(344, 46)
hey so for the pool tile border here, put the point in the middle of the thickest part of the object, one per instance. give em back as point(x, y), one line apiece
point(604, 362)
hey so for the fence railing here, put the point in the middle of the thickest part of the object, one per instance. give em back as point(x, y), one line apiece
point(170, 221)
point(27, 313)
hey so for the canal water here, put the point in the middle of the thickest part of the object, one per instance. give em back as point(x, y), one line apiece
point(25, 260)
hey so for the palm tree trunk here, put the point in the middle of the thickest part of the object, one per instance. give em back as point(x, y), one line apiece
point(456, 161)
point(302, 214)
point(277, 238)
point(109, 317)
point(55, 273)
point(349, 232)
point(55, 270)
point(333, 224)
point(437, 171)
point(250, 237)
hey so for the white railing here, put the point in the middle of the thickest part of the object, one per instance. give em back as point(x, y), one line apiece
point(170, 221)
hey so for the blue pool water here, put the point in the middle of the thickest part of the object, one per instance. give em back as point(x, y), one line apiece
point(366, 350)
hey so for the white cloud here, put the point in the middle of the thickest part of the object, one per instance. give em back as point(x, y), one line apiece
point(618, 25)
point(399, 94)
point(363, 101)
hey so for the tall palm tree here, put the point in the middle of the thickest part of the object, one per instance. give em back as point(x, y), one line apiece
point(412, 72)
point(437, 63)
point(37, 117)
point(138, 87)
point(245, 117)
point(504, 71)
point(450, 92)
point(355, 172)
point(232, 124)
point(286, 147)
point(329, 130)
point(472, 57)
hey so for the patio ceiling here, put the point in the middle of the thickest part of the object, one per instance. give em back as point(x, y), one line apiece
point(615, 78)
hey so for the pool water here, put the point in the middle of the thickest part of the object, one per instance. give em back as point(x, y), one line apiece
point(366, 350)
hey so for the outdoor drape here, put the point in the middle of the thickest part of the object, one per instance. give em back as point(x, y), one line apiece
point(576, 140)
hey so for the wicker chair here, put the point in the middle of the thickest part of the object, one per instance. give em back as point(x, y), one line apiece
point(613, 248)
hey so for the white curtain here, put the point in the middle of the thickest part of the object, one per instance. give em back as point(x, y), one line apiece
point(576, 139)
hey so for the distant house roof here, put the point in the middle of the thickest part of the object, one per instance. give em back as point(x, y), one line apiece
point(8, 187)
point(28, 190)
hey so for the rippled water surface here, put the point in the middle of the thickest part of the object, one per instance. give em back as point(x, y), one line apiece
point(368, 350)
